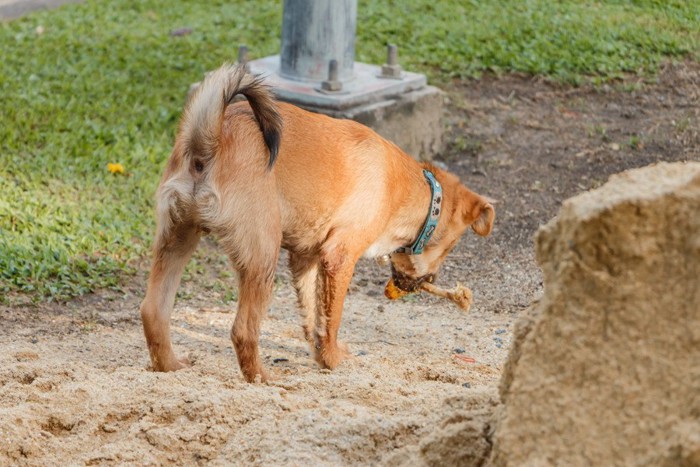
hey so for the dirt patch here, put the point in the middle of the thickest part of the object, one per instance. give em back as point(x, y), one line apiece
point(74, 382)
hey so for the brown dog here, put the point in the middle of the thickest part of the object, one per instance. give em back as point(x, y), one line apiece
point(262, 175)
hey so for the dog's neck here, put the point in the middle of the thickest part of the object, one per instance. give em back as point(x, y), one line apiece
point(431, 219)
point(413, 202)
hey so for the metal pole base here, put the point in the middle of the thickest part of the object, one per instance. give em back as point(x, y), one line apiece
point(404, 110)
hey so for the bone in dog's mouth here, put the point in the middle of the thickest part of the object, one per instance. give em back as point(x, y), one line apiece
point(409, 284)
point(401, 285)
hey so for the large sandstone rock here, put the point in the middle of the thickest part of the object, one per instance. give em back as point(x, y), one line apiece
point(605, 369)
point(462, 439)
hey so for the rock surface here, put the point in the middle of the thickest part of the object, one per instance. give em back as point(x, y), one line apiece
point(462, 438)
point(605, 369)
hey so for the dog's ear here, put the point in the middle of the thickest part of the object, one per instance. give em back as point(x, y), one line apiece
point(484, 223)
point(479, 214)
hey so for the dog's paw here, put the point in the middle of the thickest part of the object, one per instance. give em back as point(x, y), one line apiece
point(172, 364)
point(260, 376)
point(308, 334)
point(331, 356)
point(264, 377)
point(183, 362)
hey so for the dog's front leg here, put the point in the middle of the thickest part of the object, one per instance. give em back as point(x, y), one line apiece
point(305, 278)
point(337, 267)
point(173, 248)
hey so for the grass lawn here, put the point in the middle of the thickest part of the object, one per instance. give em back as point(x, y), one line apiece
point(104, 82)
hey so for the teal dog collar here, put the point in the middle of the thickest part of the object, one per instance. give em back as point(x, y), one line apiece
point(431, 221)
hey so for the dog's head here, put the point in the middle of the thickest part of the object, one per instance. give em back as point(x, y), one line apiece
point(461, 208)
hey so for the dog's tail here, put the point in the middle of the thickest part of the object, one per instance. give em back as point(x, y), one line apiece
point(204, 112)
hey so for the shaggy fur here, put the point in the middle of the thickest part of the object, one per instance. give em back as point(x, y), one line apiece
point(263, 175)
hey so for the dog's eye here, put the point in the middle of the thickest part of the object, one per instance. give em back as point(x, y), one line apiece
point(198, 166)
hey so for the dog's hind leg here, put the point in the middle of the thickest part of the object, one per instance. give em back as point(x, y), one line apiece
point(305, 277)
point(173, 248)
point(254, 256)
point(254, 297)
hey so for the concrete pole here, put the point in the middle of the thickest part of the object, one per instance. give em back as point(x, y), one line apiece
point(314, 32)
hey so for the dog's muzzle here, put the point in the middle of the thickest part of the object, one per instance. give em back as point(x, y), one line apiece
point(401, 285)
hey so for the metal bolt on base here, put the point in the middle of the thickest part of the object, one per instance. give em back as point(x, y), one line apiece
point(392, 69)
point(243, 56)
point(332, 84)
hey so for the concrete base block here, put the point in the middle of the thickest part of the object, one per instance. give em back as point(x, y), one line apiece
point(412, 120)
point(403, 109)
point(366, 85)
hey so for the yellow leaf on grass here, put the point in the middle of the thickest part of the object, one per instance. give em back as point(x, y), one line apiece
point(116, 168)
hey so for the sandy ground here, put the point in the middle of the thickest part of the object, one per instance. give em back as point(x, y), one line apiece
point(75, 383)
point(75, 387)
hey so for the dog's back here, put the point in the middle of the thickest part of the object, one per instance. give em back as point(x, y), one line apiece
point(229, 157)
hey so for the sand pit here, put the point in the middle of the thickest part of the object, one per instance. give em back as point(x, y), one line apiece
point(75, 387)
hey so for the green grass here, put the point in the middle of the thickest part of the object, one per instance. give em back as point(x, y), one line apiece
point(566, 40)
point(105, 82)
